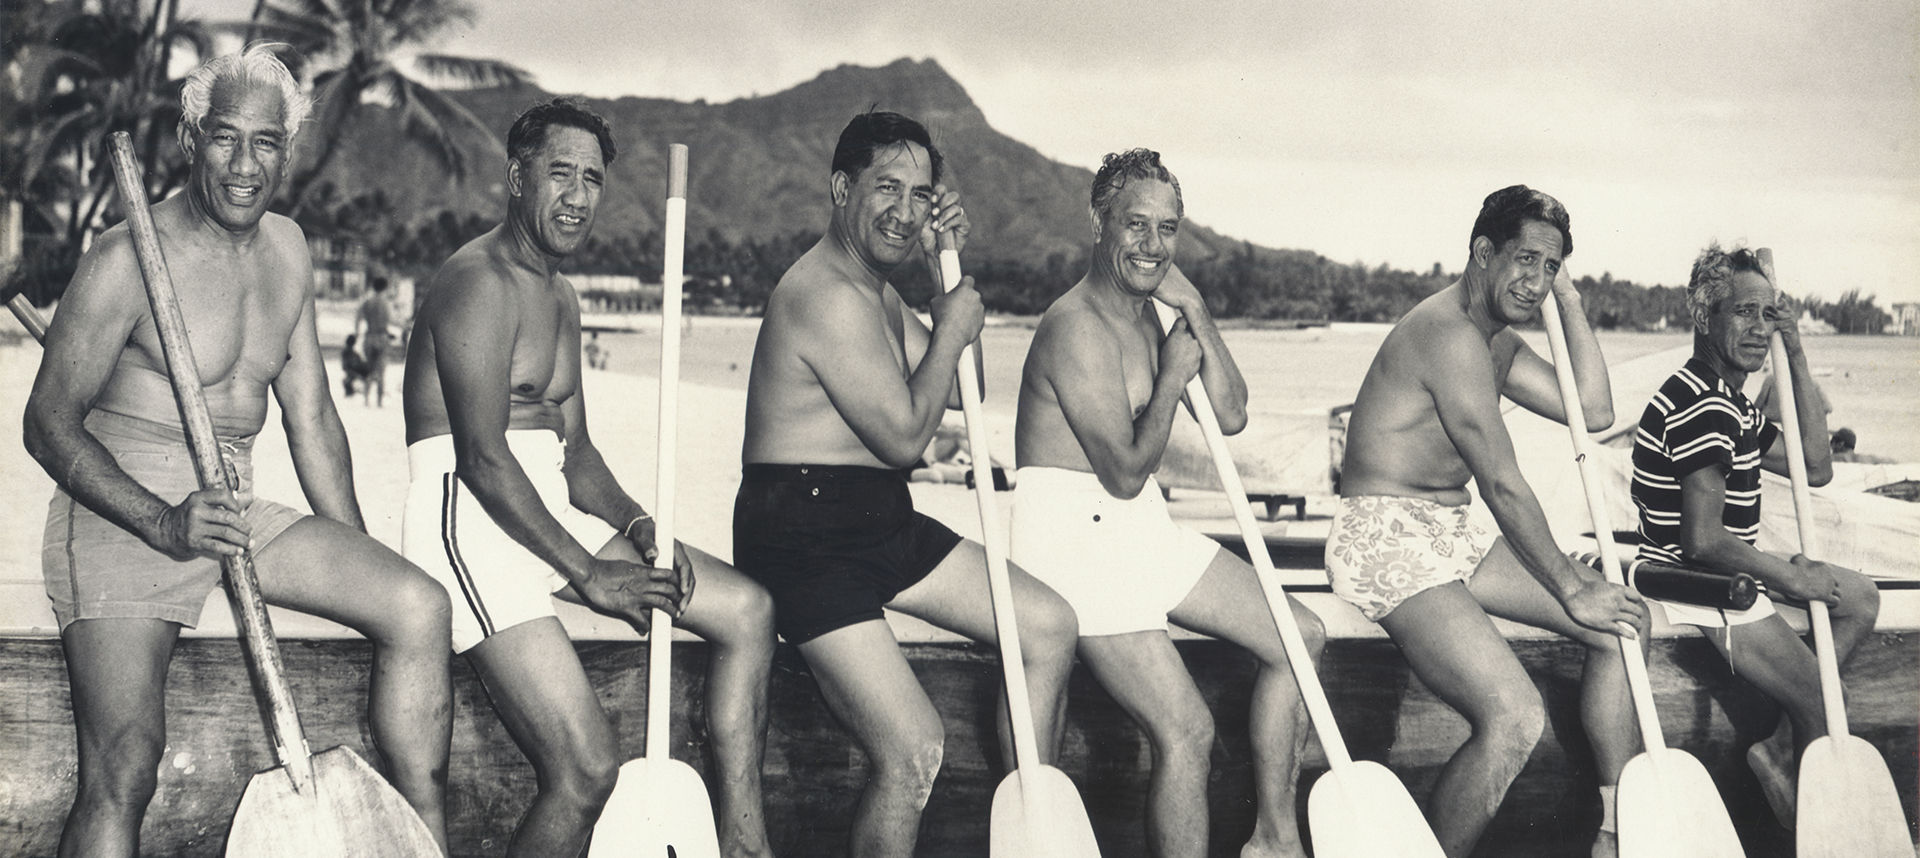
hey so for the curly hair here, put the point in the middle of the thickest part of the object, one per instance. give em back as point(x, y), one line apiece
point(256, 65)
point(875, 130)
point(1504, 210)
point(1119, 168)
point(1712, 277)
point(529, 131)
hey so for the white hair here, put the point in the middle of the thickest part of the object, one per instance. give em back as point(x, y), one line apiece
point(256, 65)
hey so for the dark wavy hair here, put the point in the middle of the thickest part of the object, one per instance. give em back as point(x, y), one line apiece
point(875, 130)
point(1117, 169)
point(529, 132)
point(1506, 209)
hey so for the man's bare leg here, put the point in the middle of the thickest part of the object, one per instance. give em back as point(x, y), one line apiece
point(117, 670)
point(1228, 603)
point(325, 568)
point(735, 617)
point(869, 686)
point(1147, 677)
point(1505, 589)
point(954, 596)
point(1777, 662)
point(542, 696)
point(1455, 650)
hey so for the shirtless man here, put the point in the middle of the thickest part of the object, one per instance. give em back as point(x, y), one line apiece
point(371, 323)
point(510, 503)
point(846, 390)
point(1403, 551)
point(1696, 480)
point(133, 545)
point(1090, 522)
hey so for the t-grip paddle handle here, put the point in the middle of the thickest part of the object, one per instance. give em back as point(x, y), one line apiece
point(283, 723)
point(1831, 695)
point(1297, 655)
point(1026, 753)
point(660, 635)
point(1637, 682)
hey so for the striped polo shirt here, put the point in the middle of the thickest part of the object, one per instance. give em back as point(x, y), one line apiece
point(1697, 420)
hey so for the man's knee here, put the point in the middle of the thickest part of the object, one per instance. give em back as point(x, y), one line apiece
point(1513, 720)
point(1312, 630)
point(586, 773)
point(1186, 740)
point(1049, 631)
point(911, 765)
point(122, 766)
point(418, 611)
point(1859, 597)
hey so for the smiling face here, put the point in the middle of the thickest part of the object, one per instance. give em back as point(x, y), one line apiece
point(239, 155)
point(556, 191)
point(1739, 325)
point(880, 211)
point(1520, 274)
point(1136, 238)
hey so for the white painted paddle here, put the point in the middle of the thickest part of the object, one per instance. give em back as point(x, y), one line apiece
point(1847, 804)
point(1666, 804)
point(1358, 809)
point(310, 805)
point(1036, 809)
point(660, 802)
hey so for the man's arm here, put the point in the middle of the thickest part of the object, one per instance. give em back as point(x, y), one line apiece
point(1811, 408)
point(1217, 370)
point(316, 439)
point(1458, 371)
point(1707, 542)
point(1083, 372)
point(473, 355)
point(842, 337)
point(1531, 381)
point(919, 336)
point(97, 316)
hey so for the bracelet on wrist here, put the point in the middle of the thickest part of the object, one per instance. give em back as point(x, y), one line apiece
point(628, 530)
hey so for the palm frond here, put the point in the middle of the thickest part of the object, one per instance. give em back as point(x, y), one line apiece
point(472, 71)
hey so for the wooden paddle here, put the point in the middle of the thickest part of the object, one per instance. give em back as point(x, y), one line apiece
point(326, 804)
point(661, 803)
point(1847, 804)
point(1666, 805)
point(1358, 809)
point(1036, 809)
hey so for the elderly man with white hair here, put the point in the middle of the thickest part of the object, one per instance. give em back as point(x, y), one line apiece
point(133, 544)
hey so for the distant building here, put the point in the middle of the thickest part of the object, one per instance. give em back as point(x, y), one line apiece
point(1811, 325)
point(1906, 320)
point(339, 266)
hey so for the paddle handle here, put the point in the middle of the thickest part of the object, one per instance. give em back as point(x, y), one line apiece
point(1832, 697)
point(1026, 752)
point(1298, 656)
point(660, 637)
point(283, 723)
point(1590, 478)
point(29, 317)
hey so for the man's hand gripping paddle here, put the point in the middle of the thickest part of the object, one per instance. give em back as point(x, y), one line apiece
point(1667, 806)
point(1358, 809)
point(1037, 812)
point(661, 803)
point(327, 804)
point(1848, 806)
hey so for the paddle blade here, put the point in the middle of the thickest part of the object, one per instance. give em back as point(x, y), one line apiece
point(1668, 806)
point(656, 804)
point(1037, 814)
point(351, 812)
point(1848, 806)
point(1361, 810)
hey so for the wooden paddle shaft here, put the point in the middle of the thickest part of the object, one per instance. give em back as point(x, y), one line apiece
point(1831, 694)
point(999, 582)
point(1637, 681)
point(29, 317)
point(1297, 655)
point(660, 636)
point(283, 725)
point(9, 257)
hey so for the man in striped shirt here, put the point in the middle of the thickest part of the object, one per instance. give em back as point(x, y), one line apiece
point(1696, 480)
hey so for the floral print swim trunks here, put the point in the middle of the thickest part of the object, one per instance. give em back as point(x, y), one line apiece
point(1381, 550)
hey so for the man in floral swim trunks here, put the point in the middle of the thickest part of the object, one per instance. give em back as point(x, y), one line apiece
point(1426, 420)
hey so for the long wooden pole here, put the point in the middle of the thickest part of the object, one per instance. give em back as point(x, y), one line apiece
point(660, 635)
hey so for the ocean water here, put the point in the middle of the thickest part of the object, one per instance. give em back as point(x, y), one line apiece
point(1873, 382)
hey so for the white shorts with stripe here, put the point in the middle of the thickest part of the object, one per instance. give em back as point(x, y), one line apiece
point(494, 582)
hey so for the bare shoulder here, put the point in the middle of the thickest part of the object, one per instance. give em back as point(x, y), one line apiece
point(1069, 333)
point(468, 277)
point(814, 299)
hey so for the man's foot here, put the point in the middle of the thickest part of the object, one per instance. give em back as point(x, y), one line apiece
point(1260, 847)
point(1605, 845)
point(1775, 773)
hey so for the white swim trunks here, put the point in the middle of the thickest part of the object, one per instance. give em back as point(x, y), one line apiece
point(494, 582)
point(1121, 564)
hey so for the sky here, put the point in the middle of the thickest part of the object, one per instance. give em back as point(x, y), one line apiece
point(1369, 130)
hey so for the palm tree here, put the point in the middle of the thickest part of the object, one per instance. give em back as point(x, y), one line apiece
point(358, 44)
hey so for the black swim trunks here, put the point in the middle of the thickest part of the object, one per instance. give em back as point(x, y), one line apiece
point(832, 543)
